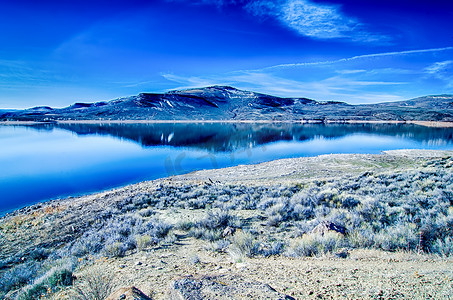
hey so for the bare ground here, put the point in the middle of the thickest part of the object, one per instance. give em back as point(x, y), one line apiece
point(365, 274)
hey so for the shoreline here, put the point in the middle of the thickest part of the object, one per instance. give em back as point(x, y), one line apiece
point(248, 173)
point(438, 124)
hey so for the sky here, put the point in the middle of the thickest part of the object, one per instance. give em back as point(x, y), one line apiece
point(56, 53)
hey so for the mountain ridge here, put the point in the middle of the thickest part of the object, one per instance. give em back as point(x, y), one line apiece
point(229, 103)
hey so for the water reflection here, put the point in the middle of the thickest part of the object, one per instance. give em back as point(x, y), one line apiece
point(229, 137)
point(47, 161)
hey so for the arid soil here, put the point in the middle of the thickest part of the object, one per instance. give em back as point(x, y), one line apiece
point(365, 274)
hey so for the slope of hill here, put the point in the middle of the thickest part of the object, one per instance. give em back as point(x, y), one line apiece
point(228, 103)
point(345, 226)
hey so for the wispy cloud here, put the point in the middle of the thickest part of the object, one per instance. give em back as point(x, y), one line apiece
point(367, 78)
point(307, 18)
point(318, 21)
point(442, 70)
point(192, 81)
point(330, 88)
point(439, 68)
point(358, 57)
point(18, 73)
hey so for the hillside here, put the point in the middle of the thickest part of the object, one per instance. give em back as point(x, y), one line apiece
point(228, 103)
point(345, 226)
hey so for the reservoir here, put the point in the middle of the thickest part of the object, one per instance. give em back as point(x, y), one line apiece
point(48, 161)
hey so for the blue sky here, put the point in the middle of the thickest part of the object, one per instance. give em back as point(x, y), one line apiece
point(59, 52)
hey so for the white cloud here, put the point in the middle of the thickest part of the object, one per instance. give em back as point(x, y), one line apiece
point(314, 20)
point(307, 18)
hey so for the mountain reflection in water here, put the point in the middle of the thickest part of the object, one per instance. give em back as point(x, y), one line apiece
point(229, 137)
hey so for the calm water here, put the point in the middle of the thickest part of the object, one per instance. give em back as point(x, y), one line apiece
point(48, 161)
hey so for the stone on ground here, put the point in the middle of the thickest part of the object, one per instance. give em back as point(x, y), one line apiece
point(130, 293)
point(221, 287)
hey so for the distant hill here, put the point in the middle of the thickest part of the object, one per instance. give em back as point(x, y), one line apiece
point(228, 103)
point(3, 111)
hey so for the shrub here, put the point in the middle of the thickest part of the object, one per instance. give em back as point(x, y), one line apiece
point(143, 241)
point(274, 220)
point(116, 249)
point(244, 244)
point(361, 237)
point(266, 202)
point(348, 201)
point(18, 276)
point(305, 198)
point(171, 238)
point(331, 241)
point(397, 237)
point(184, 225)
point(217, 220)
point(219, 246)
point(274, 248)
point(304, 246)
point(94, 284)
point(301, 212)
point(206, 234)
point(443, 247)
point(57, 276)
point(304, 227)
point(211, 227)
point(39, 254)
point(146, 212)
point(117, 236)
point(89, 243)
point(313, 244)
point(158, 229)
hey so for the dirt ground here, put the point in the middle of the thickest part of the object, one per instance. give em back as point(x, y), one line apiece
point(365, 274)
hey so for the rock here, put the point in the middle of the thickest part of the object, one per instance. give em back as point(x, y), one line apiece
point(229, 231)
point(221, 287)
point(326, 226)
point(241, 265)
point(342, 253)
point(130, 293)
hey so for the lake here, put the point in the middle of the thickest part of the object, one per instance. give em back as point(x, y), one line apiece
point(47, 161)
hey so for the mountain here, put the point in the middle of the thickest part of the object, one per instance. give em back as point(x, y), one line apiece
point(228, 103)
